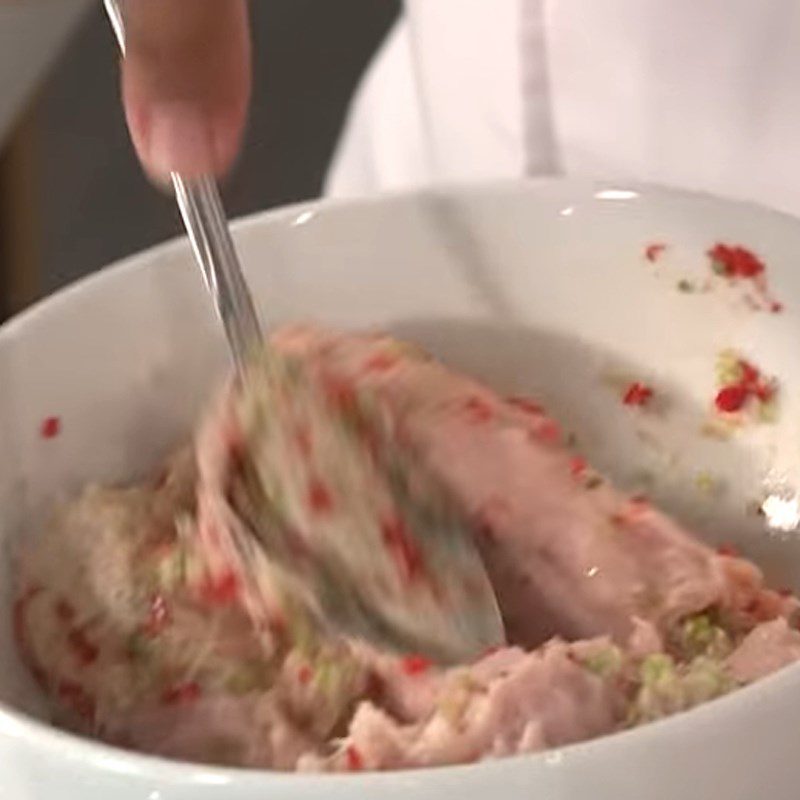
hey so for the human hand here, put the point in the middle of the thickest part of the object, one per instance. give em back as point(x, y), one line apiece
point(186, 83)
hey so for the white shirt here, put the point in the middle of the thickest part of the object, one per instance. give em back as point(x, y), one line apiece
point(701, 94)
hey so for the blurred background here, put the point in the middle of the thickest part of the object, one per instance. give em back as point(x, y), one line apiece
point(72, 197)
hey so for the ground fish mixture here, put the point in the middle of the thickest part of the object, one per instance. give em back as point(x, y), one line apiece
point(133, 616)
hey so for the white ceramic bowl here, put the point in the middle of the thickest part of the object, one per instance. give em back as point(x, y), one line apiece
point(537, 287)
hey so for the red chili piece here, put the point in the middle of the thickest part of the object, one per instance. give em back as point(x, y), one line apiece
point(404, 549)
point(637, 394)
point(750, 374)
point(320, 499)
point(415, 664)
point(734, 261)
point(380, 362)
point(526, 405)
point(751, 378)
point(50, 427)
point(478, 410)
point(340, 394)
point(653, 251)
point(577, 466)
point(355, 763)
point(305, 674)
point(732, 398)
point(220, 590)
point(181, 694)
point(638, 505)
point(549, 432)
point(85, 652)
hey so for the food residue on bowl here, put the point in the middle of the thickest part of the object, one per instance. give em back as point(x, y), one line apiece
point(732, 265)
point(740, 266)
point(744, 393)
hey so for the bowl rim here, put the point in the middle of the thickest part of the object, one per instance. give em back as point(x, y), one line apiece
point(38, 734)
point(629, 191)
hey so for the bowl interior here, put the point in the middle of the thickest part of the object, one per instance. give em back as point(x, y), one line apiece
point(540, 289)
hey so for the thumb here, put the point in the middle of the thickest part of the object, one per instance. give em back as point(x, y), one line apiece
point(186, 83)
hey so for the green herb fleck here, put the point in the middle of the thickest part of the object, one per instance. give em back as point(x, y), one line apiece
point(139, 647)
point(702, 636)
point(768, 412)
point(171, 570)
point(706, 483)
point(656, 669)
point(728, 368)
point(604, 662)
point(698, 632)
point(718, 267)
point(667, 688)
point(248, 678)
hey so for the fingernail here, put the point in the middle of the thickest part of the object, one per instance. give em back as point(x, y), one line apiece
point(179, 139)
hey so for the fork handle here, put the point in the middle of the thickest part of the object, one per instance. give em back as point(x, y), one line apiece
point(206, 224)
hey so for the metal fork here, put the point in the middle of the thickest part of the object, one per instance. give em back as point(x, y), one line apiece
point(476, 611)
